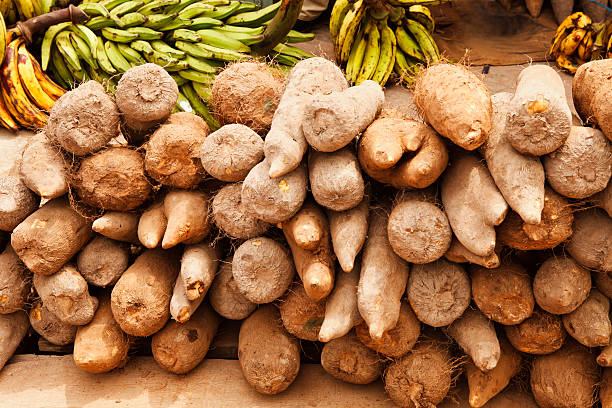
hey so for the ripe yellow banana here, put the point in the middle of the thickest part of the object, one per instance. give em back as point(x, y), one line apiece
point(405, 67)
point(564, 61)
point(341, 7)
point(356, 57)
point(428, 45)
point(577, 20)
point(585, 47)
point(387, 55)
point(572, 41)
point(51, 88)
point(349, 27)
point(6, 120)
point(423, 15)
point(29, 80)
point(3, 37)
point(372, 54)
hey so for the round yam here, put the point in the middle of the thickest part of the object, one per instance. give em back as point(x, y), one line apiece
point(561, 285)
point(232, 217)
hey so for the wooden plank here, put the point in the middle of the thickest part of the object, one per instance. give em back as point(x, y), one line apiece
point(55, 382)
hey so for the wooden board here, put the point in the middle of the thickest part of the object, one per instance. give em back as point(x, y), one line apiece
point(29, 381)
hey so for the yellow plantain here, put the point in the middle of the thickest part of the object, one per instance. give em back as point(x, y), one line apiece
point(572, 41)
point(6, 120)
point(387, 55)
point(29, 80)
point(371, 56)
point(353, 64)
point(51, 88)
point(576, 20)
point(423, 15)
point(3, 37)
point(349, 27)
point(563, 61)
point(405, 67)
point(585, 48)
point(428, 45)
point(341, 7)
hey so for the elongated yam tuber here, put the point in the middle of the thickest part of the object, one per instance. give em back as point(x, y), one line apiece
point(117, 225)
point(554, 228)
point(589, 77)
point(15, 282)
point(335, 179)
point(421, 378)
point(332, 120)
point(472, 220)
point(348, 360)
point(438, 292)
point(43, 168)
point(101, 345)
point(225, 297)
point(341, 311)
point(541, 333)
point(566, 378)
point(539, 119)
point(102, 261)
point(418, 230)
point(199, 265)
point(180, 347)
point(262, 269)
point(605, 388)
point(84, 119)
point(13, 328)
point(187, 215)
point(460, 254)
point(348, 230)
point(484, 386)
point(181, 307)
point(456, 103)
point(591, 243)
point(476, 335)
point(50, 327)
point(510, 397)
point(285, 144)
point(503, 294)
point(273, 371)
point(274, 199)
point(231, 215)
point(17, 201)
point(152, 225)
point(141, 297)
point(402, 152)
point(382, 281)
point(590, 322)
point(582, 166)
point(601, 97)
point(561, 285)
point(534, 7)
point(314, 265)
point(228, 154)
point(604, 359)
point(397, 341)
point(519, 177)
point(302, 317)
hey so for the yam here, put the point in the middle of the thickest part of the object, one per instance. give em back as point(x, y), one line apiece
point(589, 78)
point(476, 335)
point(102, 261)
point(186, 212)
point(534, 7)
point(15, 282)
point(605, 388)
point(348, 230)
point(225, 297)
point(541, 333)
point(17, 201)
point(117, 225)
point(301, 316)
point(199, 265)
point(460, 254)
point(50, 327)
point(590, 324)
point(231, 215)
point(347, 359)
point(152, 225)
point(43, 168)
point(604, 359)
point(603, 199)
point(591, 243)
point(600, 98)
point(341, 310)
point(603, 282)
point(13, 328)
point(511, 397)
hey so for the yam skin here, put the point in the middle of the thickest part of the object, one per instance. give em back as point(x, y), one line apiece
point(228, 154)
point(301, 316)
point(152, 225)
point(566, 378)
point(50, 327)
point(252, 102)
point(113, 179)
point(102, 261)
point(50, 237)
point(43, 168)
point(603, 199)
point(17, 201)
point(484, 386)
point(348, 230)
point(402, 152)
point(262, 269)
point(268, 355)
point(534, 7)
point(601, 96)
point(341, 310)
point(589, 78)
point(456, 103)
point(561, 285)
point(348, 360)
point(181, 308)
point(15, 282)
point(603, 282)
point(460, 254)
point(520, 178)
point(101, 346)
point(231, 215)
point(397, 341)
point(438, 292)
point(382, 280)
point(199, 265)
point(582, 166)
point(591, 243)
point(274, 200)
point(117, 225)
point(554, 227)
point(605, 388)
point(66, 295)
point(13, 328)
point(476, 335)
point(146, 93)
point(590, 322)
point(180, 347)
point(421, 378)
point(541, 333)
point(140, 299)
point(173, 153)
point(313, 261)
point(418, 230)
point(186, 212)
point(510, 397)
point(503, 294)
point(225, 297)
point(285, 143)
point(539, 119)
point(335, 179)
point(83, 120)
point(332, 120)
point(472, 221)
point(604, 359)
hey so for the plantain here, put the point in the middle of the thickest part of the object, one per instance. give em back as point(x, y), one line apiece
point(356, 56)
point(349, 27)
point(572, 41)
point(47, 43)
point(255, 18)
point(427, 44)
point(408, 44)
point(30, 82)
point(565, 62)
point(372, 54)
point(423, 15)
point(386, 61)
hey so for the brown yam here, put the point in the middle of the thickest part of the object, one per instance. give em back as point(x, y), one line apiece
point(605, 388)
point(460, 254)
point(102, 261)
point(83, 120)
point(604, 359)
point(348, 230)
point(603, 282)
point(590, 322)
point(335, 179)
point(117, 225)
point(590, 77)
point(275, 369)
point(510, 397)
point(187, 215)
point(152, 225)
point(591, 243)
point(199, 265)
point(15, 282)
point(43, 168)
point(476, 335)
point(534, 7)
point(13, 328)
point(17, 201)
point(50, 327)
point(231, 215)
point(561, 285)
point(603, 199)
point(225, 297)
point(341, 310)
point(302, 317)
point(541, 333)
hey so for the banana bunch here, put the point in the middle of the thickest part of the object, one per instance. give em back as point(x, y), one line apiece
point(577, 40)
point(374, 41)
point(15, 10)
point(191, 39)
